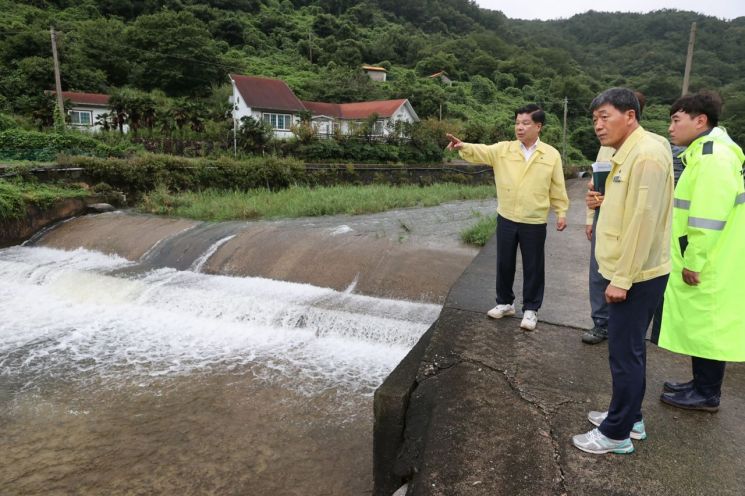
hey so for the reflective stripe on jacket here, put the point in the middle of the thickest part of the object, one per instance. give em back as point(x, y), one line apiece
point(525, 190)
point(708, 236)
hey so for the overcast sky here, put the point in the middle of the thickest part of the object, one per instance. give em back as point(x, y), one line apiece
point(556, 9)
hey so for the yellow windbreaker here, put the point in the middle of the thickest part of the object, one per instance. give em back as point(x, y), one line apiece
point(525, 190)
point(633, 231)
point(605, 153)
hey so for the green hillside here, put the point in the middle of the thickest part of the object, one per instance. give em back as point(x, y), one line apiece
point(177, 53)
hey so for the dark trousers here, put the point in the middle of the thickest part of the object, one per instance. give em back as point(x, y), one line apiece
point(598, 283)
point(531, 239)
point(627, 354)
point(707, 376)
point(657, 323)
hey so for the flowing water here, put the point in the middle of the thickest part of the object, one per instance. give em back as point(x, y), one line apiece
point(120, 378)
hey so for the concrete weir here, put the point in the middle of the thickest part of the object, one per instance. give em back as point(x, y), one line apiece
point(326, 253)
point(135, 343)
point(480, 407)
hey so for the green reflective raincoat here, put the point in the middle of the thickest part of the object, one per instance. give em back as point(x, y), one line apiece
point(708, 320)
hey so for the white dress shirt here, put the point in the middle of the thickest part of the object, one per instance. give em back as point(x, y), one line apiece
point(528, 152)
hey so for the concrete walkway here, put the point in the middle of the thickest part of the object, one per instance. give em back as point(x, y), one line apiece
point(481, 407)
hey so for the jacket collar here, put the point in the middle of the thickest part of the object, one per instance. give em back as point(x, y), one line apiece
point(515, 147)
point(718, 134)
point(631, 141)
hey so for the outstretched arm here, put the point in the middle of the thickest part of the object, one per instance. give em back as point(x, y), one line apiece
point(455, 143)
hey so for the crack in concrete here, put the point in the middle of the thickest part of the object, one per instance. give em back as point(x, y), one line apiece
point(433, 368)
point(546, 411)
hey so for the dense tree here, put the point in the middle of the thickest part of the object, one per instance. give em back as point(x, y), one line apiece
point(183, 48)
point(174, 51)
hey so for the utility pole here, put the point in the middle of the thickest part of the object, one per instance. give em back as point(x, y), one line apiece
point(689, 59)
point(235, 130)
point(564, 133)
point(57, 79)
point(310, 45)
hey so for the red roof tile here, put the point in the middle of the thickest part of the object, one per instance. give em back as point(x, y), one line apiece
point(265, 93)
point(98, 99)
point(327, 109)
point(358, 110)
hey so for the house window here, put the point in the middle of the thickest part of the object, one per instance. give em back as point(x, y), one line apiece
point(81, 118)
point(281, 122)
point(378, 129)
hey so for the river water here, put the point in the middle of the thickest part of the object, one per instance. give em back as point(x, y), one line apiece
point(115, 380)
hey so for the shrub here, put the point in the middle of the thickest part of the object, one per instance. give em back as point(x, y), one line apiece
point(149, 171)
point(7, 122)
point(19, 144)
point(15, 195)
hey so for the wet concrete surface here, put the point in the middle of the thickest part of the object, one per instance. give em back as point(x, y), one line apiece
point(413, 254)
point(494, 407)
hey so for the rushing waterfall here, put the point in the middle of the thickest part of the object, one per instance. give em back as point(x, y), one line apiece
point(66, 313)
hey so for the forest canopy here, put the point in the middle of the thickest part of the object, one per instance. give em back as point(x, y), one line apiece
point(184, 49)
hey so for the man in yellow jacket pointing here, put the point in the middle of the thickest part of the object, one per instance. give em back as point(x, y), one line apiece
point(530, 179)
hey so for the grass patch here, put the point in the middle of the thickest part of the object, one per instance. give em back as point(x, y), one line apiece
point(303, 201)
point(479, 233)
point(14, 196)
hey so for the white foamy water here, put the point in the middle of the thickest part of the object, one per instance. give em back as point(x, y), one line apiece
point(63, 315)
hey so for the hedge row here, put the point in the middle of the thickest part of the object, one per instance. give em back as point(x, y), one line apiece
point(349, 150)
point(20, 144)
point(146, 172)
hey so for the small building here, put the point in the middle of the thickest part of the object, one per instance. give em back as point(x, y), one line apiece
point(375, 73)
point(85, 109)
point(443, 77)
point(347, 117)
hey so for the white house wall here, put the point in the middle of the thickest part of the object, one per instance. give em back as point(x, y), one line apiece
point(95, 113)
point(240, 110)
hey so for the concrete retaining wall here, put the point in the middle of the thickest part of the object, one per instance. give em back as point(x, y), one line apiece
point(17, 231)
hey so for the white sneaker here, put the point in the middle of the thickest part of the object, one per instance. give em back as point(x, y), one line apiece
point(530, 319)
point(596, 443)
point(638, 431)
point(501, 311)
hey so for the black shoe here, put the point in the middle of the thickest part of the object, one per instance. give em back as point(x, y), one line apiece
point(595, 335)
point(691, 400)
point(677, 387)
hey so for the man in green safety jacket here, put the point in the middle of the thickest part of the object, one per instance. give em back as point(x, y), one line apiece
point(703, 315)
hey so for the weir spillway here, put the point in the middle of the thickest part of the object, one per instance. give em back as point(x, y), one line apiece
point(140, 353)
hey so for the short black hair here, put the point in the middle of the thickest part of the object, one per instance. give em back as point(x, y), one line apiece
point(622, 99)
point(537, 114)
point(705, 103)
point(642, 101)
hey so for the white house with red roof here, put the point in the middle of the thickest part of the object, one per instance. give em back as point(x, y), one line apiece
point(268, 100)
point(85, 108)
point(272, 101)
point(346, 117)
